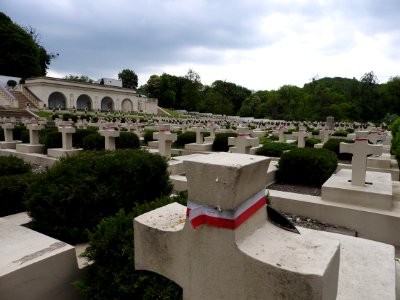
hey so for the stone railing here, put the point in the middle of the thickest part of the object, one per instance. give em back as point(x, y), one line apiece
point(31, 96)
point(8, 96)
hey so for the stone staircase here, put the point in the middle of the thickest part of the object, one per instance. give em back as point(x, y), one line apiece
point(18, 114)
point(22, 100)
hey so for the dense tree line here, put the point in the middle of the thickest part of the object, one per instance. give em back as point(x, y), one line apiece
point(345, 99)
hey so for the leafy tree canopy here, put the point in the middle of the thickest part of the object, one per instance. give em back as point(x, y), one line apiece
point(82, 78)
point(21, 55)
point(129, 79)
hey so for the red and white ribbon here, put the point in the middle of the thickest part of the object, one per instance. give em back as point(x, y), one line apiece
point(199, 214)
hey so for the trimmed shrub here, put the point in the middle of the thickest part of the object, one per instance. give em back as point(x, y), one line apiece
point(12, 192)
point(306, 166)
point(274, 149)
point(77, 192)
point(220, 143)
point(79, 135)
point(148, 136)
point(93, 141)
point(310, 142)
point(314, 131)
point(185, 138)
point(12, 165)
point(21, 133)
point(395, 127)
point(1, 134)
point(334, 146)
point(111, 249)
point(66, 117)
point(50, 137)
point(343, 133)
point(127, 140)
point(11, 83)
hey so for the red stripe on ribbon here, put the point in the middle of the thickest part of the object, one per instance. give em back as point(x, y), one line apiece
point(227, 223)
point(361, 139)
point(244, 134)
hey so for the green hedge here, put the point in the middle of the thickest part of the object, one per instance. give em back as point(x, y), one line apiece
point(12, 165)
point(310, 142)
point(127, 140)
point(12, 193)
point(343, 133)
point(111, 249)
point(77, 192)
point(220, 143)
point(93, 141)
point(148, 136)
point(306, 166)
point(274, 149)
point(80, 134)
point(334, 145)
point(185, 138)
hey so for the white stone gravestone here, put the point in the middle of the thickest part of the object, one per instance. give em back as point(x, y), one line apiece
point(225, 248)
point(165, 139)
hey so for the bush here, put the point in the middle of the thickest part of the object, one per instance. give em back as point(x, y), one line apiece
point(66, 117)
point(185, 138)
point(148, 136)
point(310, 142)
point(93, 141)
point(77, 192)
point(274, 149)
point(314, 131)
point(12, 165)
point(12, 192)
point(111, 249)
point(127, 140)
point(220, 143)
point(334, 146)
point(11, 83)
point(50, 137)
point(21, 133)
point(79, 135)
point(306, 166)
point(343, 133)
point(395, 127)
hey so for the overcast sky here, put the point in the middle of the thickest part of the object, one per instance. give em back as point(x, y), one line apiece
point(258, 44)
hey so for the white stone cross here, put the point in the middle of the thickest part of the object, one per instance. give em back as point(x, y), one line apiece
point(8, 132)
point(165, 139)
point(199, 134)
point(66, 130)
point(301, 135)
point(360, 150)
point(34, 129)
point(374, 137)
point(243, 143)
point(225, 248)
point(325, 133)
point(281, 133)
point(110, 132)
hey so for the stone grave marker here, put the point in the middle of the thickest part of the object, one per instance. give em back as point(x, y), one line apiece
point(222, 246)
point(301, 136)
point(110, 132)
point(165, 139)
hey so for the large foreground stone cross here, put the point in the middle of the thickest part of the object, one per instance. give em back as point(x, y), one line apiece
point(165, 139)
point(301, 136)
point(225, 248)
point(360, 150)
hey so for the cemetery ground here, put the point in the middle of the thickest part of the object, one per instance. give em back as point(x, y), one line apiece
point(78, 196)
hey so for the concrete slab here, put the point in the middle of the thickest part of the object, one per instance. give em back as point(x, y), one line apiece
point(371, 223)
point(9, 145)
point(179, 182)
point(35, 266)
point(380, 162)
point(33, 158)
point(393, 170)
point(18, 219)
point(377, 192)
point(367, 269)
point(199, 147)
point(29, 148)
point(59, 152)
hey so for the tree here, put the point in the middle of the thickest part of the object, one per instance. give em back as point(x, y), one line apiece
point(82, 78)
point(129, 79)
point(21, 55)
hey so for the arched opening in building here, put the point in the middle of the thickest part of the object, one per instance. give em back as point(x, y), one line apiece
point(107, 104)
point(126, 105)
point(84, 102)
point(57, 100)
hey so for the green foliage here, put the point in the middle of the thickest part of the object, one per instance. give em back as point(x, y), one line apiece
point(93, 141)
point(395, 127)
point(306, 166)
point(334, 146)
point(310, 142)
point(220, 143)
point(127, 140)
point(111, 249)
point(129, 79)
point(21, 133)
point(274, 149)
point(343, 133)
point(11, 83)
point(67, 116)
point(82, 78)
point(12, 165)
point(148, 136)
point(185, 138)
point(12, 192)
point(50, 138)
point(79, 135)
point(20, 54)
point(77, 192)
